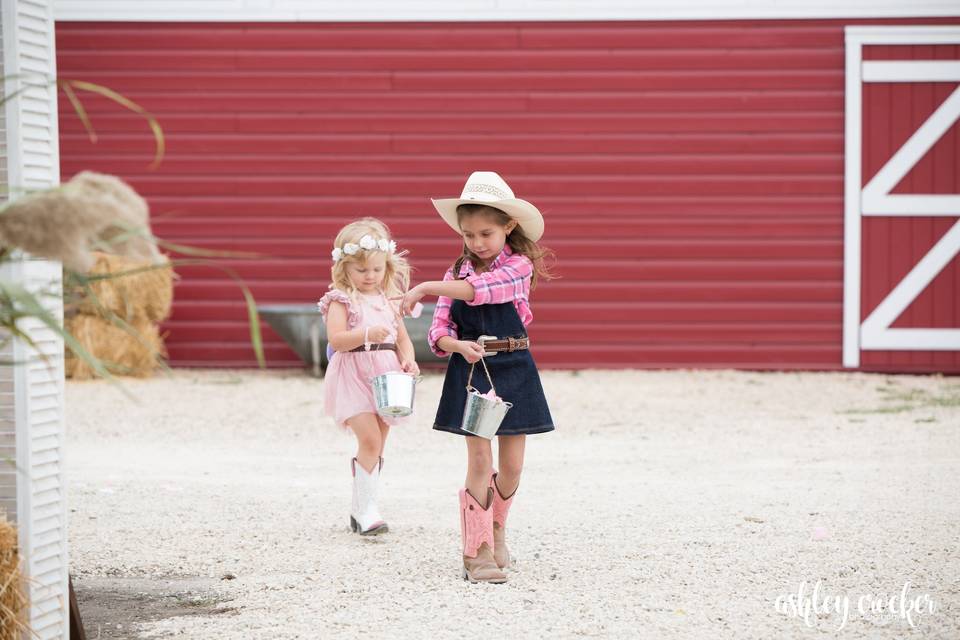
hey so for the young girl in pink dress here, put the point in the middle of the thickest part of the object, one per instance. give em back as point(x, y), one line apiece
point(365, 330)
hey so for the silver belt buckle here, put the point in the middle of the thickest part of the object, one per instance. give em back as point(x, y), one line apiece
point(482, 342)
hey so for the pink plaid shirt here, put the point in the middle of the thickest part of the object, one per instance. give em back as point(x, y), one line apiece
point(507, 280)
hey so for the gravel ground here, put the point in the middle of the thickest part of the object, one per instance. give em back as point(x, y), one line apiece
point(675, 504)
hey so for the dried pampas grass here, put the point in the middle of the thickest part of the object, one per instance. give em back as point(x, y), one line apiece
point(66, 222)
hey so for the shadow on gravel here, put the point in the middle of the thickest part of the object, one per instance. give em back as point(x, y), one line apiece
point(113, 608)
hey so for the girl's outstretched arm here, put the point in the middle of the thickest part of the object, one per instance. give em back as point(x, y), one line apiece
point(510, 281)
point(454, 289)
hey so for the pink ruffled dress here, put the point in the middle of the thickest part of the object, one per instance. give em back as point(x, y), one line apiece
point(346, 385)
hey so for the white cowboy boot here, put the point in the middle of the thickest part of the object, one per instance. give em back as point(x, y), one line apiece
point(364, 516)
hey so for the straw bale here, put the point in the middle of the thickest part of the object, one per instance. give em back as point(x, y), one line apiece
point(134, 352)
point(141, 290)
point(13, 599)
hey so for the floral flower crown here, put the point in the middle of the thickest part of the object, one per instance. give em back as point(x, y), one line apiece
point(368, 243)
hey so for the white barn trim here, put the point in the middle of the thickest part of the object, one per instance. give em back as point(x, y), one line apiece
point(488, 10)
point(31, 391)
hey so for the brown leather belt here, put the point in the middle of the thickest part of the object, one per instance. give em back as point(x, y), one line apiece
point(377, 346)
point(493, 345)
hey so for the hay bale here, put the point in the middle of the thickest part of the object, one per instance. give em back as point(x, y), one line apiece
point(144, 293)
point(13, 599)
point(130, 353)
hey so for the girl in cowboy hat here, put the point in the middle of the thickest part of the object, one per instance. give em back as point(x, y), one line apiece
point(483, 309)
point(368, 339)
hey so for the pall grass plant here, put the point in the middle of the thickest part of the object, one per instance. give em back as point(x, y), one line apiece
point(71, 222)
point(91, 220)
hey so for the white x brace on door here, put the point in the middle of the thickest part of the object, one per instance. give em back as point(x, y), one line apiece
point(875, 198)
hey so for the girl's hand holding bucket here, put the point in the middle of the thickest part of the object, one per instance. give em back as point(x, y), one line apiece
point(409, 366)
point(471, 351)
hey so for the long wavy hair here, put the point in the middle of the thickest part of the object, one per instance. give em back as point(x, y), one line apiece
point(396, 276)
point(517, 239)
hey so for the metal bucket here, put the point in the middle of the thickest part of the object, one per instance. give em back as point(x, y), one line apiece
point(482, 416)
point(393, 392)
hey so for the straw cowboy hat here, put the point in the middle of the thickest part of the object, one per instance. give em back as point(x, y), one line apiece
point(486, 187)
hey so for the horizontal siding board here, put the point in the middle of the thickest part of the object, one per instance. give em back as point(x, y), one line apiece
point(400, 102)
point(649, 165)
point(690, 172)
point(355, 80)
point(620, 311)
point(706, 331)
point(458, 59)
point(99, 36)
point(571, 249)
point(338, 208)
point(753, 122)
point(160, 37)
point(626, 186)
point(576, 292)
point(312, 270)
point(686, 229)
point(506, 144)
point(620, 80)
point(622, 355)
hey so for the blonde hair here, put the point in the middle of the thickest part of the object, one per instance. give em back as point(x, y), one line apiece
point(516, 239)
point(396, 276)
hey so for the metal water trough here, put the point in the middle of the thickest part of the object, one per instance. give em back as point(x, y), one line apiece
point(302, 327)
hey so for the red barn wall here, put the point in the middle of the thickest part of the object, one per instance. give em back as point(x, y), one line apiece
point(691, 173)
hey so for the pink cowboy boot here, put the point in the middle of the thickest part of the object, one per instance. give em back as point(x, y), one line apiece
point(501, 507)
point(364, 516)
point(476, 529)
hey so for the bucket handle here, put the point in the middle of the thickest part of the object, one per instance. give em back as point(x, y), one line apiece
point(366, 345)
point(483, 361)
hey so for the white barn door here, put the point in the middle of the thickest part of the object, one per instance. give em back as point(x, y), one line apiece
point(871, 329)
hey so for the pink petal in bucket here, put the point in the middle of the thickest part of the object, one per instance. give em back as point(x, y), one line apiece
point(483, 413)
point(490, 395)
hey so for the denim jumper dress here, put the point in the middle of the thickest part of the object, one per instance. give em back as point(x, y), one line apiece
point(514, 374)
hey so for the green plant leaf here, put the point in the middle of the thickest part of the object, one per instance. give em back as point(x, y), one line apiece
point(253, 316)
point(25, 304)
point(206, 253)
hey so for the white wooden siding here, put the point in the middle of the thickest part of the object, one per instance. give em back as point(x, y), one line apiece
point(8, 447)
point(31, 391)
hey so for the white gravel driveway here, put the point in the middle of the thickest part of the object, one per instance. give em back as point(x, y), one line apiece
point(678, 504)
